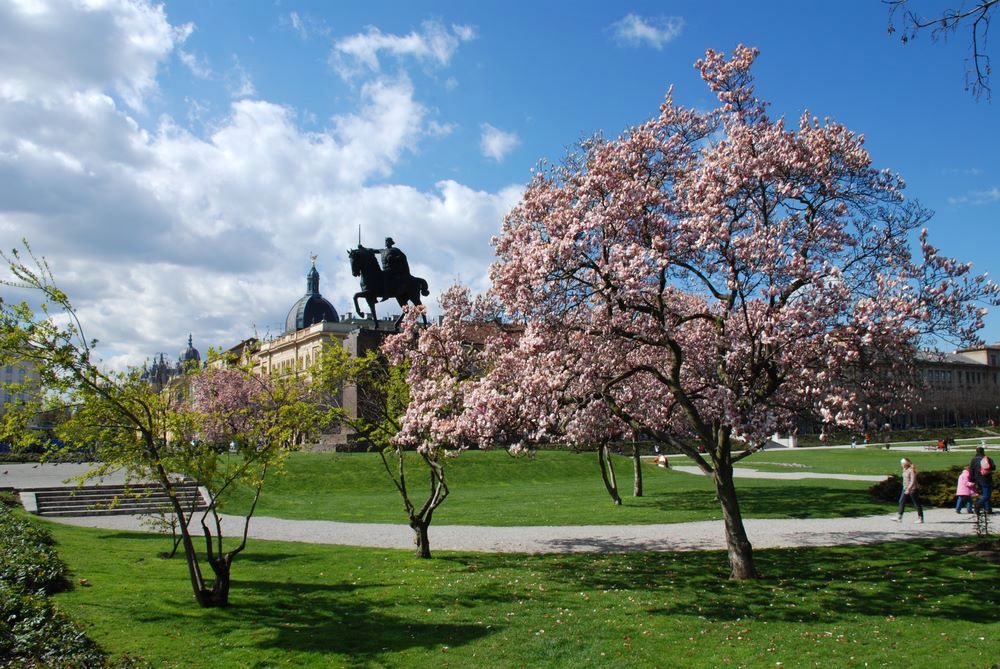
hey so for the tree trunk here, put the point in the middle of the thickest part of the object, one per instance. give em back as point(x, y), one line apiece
point(201, 594)
point(218, 596)
point(737, 544)
point(608, 473)
point(422, 539)
point(636, 471)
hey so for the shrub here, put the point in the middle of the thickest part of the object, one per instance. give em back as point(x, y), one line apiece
point(28, 559)
point(937, 487)
point(33, 633)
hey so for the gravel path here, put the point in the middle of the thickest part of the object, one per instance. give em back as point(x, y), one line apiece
point(703, 535)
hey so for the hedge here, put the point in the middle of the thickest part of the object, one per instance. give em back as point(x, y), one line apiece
point(28, 558)
point(33, 632)
point(936, 488)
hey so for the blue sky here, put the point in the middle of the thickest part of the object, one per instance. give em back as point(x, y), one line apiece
point(179, 163)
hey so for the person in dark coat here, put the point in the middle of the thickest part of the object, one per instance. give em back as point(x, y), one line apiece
point(983, 477)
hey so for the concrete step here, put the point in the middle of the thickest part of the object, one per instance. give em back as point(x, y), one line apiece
point(110, 500)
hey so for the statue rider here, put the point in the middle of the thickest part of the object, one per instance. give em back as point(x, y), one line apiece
point(394, 261)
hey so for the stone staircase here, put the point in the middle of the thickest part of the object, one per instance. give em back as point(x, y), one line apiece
point(109, 500)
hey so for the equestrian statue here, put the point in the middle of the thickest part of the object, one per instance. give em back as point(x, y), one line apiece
point(392, 279)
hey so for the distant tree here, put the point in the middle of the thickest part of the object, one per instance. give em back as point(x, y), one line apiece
point(974, 16)
point(701, 281)
point(148, 434)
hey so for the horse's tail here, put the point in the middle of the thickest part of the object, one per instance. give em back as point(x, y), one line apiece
point(423, 288)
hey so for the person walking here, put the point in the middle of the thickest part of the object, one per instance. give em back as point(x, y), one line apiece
point(982, 468)
point(965, 490)
point(909, 490)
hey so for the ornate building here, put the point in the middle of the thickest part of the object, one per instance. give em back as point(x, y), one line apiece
point(160, 372)
point(311, 308)
point(16, 383)
point(312, 324)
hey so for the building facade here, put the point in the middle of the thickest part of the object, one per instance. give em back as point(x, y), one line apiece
point(961, 389)
point(18, 383)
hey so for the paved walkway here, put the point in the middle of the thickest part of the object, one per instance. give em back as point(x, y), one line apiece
point(703, 535)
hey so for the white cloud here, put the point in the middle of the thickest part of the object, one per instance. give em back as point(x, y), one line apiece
point(306, 26)
point(434, 44)
point(633, 30)
point(198, 67)
point(980, 197)
point(160, 231)
point(495, 143)
point(53, 47)
point(968, 171)
point(298, 25)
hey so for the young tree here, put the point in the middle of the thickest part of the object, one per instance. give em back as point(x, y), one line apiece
point(234, 429)
point(706, 277)
point(443, 361)
point(149, 434)
point(382, 398)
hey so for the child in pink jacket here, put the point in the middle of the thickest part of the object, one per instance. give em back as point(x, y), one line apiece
point(964, 491)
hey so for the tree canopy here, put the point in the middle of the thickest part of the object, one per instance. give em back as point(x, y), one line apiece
point(702, 280)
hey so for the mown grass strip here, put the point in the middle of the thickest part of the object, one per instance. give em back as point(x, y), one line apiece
point(916, 604)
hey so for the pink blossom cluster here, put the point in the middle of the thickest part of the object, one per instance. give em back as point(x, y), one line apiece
point(708, 274)
point(228, 403)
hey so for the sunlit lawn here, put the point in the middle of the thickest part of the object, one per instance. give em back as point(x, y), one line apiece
point(561, 488)
point(853, 460)
point(917, 604)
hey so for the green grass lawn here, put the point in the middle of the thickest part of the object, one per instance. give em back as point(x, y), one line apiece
point(561, 488)
point(851, 460)
point(917, 604)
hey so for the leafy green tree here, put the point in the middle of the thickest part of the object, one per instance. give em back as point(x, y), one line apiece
point(150, 434)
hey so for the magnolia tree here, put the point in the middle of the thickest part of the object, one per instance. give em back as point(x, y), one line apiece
point(148, 433)
point(702, 280)
point(382, 397)
point(440, 362)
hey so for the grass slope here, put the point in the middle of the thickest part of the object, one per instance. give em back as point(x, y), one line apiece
point(916, 605)
point(560, 488)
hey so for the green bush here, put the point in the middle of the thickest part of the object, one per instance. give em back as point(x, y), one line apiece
point(33, 633)
point(936, 488)
point(28, 560)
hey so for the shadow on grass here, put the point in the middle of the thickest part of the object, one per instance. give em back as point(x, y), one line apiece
point(329, 619)
point(790, 501)
point(922, 578)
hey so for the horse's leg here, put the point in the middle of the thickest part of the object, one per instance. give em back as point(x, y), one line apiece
point(357, 307)
point(402, 303)
point(415, 298)
point(371, 305)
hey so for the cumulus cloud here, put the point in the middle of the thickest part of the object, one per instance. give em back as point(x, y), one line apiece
point(495, 143)
point(50, 47)
point(434, 44)
point(156, 230)
point(633, 30)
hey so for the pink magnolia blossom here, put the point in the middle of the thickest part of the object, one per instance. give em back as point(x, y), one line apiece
point(707, 275)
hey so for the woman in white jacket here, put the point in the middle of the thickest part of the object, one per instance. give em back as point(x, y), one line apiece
point(909, 490)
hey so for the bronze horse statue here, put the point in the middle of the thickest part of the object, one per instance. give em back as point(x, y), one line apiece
point(377, 284)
